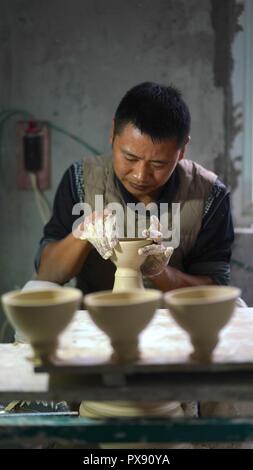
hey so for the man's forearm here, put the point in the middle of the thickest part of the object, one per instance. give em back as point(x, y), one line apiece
point(63, 260)
point(172, 278)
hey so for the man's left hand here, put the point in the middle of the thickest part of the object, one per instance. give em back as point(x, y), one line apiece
point(157, 254)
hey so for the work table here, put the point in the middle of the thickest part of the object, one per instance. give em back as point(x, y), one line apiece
point(164, 372)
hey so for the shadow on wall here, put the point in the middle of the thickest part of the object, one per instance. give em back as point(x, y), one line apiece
point(6, 331)
point(242, 265)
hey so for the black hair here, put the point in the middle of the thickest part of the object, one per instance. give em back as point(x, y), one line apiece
point(156, 110)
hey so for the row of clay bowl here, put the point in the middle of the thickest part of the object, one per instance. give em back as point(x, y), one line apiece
point(43, 314)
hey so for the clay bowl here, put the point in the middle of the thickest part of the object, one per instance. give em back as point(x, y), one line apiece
point(128, 262)
point(41, 316)
point(202, 311)
point(122, 316)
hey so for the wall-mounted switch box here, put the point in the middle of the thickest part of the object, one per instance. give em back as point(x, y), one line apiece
point(32, 149)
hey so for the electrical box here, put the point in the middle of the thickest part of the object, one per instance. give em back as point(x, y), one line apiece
point(32, 149)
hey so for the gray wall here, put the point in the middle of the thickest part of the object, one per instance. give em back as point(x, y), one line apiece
point(242, 264)
point(69, 62)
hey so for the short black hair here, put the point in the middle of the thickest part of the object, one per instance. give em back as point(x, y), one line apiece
point(156, 110)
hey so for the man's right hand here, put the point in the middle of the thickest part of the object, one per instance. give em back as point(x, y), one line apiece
point(99, 229)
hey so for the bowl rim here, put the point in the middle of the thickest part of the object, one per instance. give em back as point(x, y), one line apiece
point(12, 297)
point(93, 299)
point(135, 239)
point(171, 297)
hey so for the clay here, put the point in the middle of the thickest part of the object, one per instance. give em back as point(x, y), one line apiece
point(202, 311)
point(122, 316)
point(41, 316)
point(128, 263)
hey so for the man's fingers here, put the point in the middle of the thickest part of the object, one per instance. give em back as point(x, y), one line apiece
point(154, 231)
point(151, 250)
point(168, 252)
point(107, 211)
point(155, 250)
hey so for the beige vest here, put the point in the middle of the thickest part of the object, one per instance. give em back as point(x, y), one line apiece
point(194, 186)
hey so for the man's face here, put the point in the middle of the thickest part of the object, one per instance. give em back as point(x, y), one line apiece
point(144, 166)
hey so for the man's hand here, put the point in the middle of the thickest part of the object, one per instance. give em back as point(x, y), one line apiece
point(157, 254)
point(100, 230)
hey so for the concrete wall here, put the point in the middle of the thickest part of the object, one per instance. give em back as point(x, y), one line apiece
point(242, 264)
point(241, 153)
point(69, 62)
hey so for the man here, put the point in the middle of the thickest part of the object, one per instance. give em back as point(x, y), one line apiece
point(149, 139)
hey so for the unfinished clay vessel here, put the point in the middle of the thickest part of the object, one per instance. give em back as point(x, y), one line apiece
point(122, 316)
point(41, 316)
point(202, 311)
point(128, 262)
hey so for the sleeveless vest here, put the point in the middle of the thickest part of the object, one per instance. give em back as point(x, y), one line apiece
point(193, 188)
